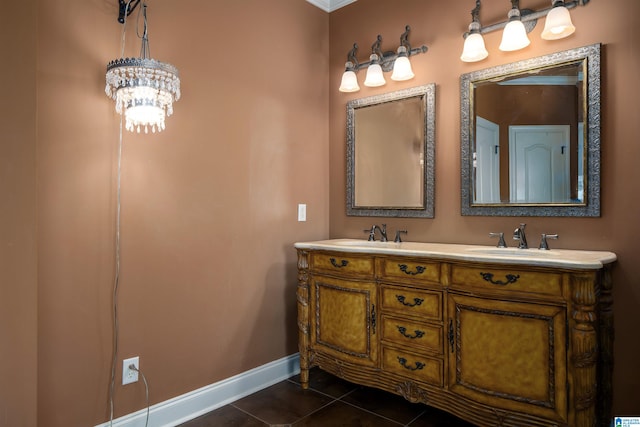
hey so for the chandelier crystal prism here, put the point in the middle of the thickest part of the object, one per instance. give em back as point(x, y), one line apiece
point(143, 88)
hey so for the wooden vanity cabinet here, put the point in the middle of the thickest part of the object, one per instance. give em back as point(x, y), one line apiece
point(494, 344)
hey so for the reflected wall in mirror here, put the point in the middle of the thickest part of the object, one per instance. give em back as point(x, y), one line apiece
point(530, 136)
point(391, 153)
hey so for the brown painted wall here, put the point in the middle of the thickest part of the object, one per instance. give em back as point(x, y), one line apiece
point(209, 206)
point(18, 274)
point(440, 26)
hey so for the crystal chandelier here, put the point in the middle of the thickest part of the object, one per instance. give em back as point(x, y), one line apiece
point(143, 88)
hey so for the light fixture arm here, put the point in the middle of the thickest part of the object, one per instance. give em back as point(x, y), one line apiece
point(375, 47)
point(475, 12)
point(526, 16)
point(125, 8)
point(351, 56)
point(386, 59)
point(404, 39)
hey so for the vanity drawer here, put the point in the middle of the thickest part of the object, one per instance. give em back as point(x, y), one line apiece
point(399, 268)
point(508, 279)
point(343, 263)
point(413, 365)
point(409, 333)
point(410, 301)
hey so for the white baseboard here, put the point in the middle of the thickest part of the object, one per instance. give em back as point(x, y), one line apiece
point(190, 405)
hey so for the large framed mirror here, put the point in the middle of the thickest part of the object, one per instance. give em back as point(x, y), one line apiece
point(530, 137)
point(391, 154)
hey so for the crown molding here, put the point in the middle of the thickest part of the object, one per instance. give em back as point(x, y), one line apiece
point(330, 5)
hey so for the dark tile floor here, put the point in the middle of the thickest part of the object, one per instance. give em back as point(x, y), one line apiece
point(329, 402)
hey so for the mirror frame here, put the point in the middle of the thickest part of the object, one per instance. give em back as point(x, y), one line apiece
point(427, 92)
point(591, 207)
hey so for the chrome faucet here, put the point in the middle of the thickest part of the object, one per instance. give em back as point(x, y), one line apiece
point(382, 230)
point(372, 233)
point(544, 245)
point(519, 235)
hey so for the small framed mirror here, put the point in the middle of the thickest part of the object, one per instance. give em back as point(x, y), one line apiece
point(391, 154)
point(530, 137)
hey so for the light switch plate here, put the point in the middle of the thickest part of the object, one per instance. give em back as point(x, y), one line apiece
point(302, 212)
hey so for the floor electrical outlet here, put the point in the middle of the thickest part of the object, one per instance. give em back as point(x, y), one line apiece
point(130, 375)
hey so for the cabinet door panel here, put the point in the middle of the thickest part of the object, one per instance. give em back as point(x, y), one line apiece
point(345, 318)
point(508, 354)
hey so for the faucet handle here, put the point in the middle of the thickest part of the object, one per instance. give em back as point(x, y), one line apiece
point(501, 242)
point(398, 239)
point(372, 233)
point(544, 246)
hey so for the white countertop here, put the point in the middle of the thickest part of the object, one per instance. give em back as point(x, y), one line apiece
point(565, 258)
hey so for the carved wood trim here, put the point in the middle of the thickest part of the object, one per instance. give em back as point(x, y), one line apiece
point(584, 344)
point(412, 392)
point(302, 295)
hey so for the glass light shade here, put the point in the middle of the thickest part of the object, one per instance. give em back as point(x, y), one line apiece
point(558, 24)
point(514, 37)
point(474, 49)
point(349, 82)
point(144, 91)
point(402, 66)
point(375, 77)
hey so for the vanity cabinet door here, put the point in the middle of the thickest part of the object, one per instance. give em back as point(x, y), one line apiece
point(344, 319)
point(509, 355)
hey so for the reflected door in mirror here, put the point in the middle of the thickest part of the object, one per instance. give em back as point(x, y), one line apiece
point(530, 136)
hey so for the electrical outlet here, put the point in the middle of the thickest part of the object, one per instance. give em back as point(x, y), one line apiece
point(130, 375)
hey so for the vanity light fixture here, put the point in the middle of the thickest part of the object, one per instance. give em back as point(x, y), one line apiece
point(380, 62)
point(143, 88)
point(521, 21)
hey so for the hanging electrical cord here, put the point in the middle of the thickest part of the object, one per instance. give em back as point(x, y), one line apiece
point(146, 388)
point(116, 283)
point(114, 356)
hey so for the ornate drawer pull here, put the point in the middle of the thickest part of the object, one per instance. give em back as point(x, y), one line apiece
point(451, 335)
point(403, 331)
point(343, 263)
point(419, 269)
point(373, 318)
point(416, 301)
point(403, 362)
point(511, 278)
